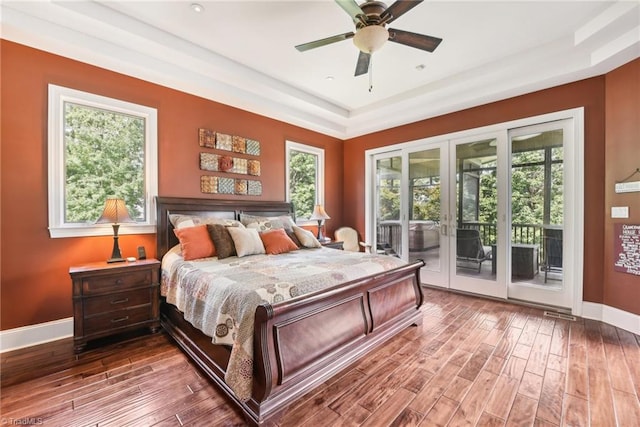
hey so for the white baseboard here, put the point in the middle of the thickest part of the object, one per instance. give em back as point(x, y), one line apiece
point(611, 315)
point(26, 336)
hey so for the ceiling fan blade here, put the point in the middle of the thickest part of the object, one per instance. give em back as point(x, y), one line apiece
point(399, 8)
point(419, 41)
point(351, 7)
point(362, 67)
point(323, 42)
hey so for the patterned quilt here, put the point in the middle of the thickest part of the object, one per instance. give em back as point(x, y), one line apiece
point(220, 297)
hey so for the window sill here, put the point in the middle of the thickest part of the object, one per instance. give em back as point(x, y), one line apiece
point(102, 230)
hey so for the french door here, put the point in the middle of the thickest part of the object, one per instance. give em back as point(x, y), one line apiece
point(495, 213)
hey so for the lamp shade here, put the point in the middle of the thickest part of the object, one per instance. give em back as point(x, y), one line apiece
point(115, 211)
point(319, 213)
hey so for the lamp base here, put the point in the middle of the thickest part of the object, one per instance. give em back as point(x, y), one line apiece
point(112, 260)
point(320, 235)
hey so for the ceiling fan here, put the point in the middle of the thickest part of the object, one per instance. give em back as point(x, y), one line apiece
point(370, 19)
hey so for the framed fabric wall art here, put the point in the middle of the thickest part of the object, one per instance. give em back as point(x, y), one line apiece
point(235, 158)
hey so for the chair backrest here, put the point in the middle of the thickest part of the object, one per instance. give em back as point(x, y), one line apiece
point(553, 247)
point(349, 237)
point(469, 244)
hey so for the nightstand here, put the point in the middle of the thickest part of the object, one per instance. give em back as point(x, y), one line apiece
point(332, 244)
point(112, 298)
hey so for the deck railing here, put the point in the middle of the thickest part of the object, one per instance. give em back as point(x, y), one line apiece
point(390, 233)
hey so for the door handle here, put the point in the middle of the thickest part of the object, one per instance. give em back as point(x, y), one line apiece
point(443, 229)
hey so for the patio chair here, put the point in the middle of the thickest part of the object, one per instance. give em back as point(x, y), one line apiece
point(469, 248)
point(552, 243)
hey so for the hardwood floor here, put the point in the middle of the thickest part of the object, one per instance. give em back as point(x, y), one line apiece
point(474, 362)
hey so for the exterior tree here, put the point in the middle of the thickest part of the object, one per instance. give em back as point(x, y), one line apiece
point(302, 182)
point(105, 158)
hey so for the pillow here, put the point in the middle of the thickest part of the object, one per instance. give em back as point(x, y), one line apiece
point(306, 237)
point(181, 221)
point(266, 225)
point(195, 242)
point(267, 222)
point(277, 242)
point(294, 238)
point(246, 240)
point(222, 240)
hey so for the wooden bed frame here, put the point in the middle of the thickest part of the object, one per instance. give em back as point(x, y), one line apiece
point(294, 350)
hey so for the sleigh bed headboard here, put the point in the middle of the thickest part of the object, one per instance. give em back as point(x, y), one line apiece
point(227, 209)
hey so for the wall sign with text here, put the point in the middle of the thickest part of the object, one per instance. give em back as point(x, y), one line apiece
point(626, 248)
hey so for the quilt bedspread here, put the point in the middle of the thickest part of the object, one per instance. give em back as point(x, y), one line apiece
point(220, 297)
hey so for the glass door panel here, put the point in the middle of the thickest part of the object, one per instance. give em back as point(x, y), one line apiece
point(388, 205)
point(427, 213)
point(474, 238)
point(537, 213)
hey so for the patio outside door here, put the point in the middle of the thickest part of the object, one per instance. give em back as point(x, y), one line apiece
point(539, 222)
point(476, 227)
point(495, 213)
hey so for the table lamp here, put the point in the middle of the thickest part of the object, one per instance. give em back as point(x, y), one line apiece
point(319, 215)
point(115, 212)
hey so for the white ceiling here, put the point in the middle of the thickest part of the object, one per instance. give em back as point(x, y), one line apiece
point(242, 53)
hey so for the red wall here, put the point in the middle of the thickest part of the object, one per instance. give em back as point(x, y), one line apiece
point(35, 285)
point(622, 145)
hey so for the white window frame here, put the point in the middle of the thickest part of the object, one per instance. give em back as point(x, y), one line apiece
point(319, 153)
point(58, 96)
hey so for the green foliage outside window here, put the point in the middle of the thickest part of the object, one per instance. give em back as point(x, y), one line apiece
point(104, 157)
point(527, 181)
point(302, 182)
point(426, 203)
point(389, 203)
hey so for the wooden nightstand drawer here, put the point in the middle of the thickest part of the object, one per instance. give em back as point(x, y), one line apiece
point(116, 301)
point(116, 282)
point(110, 299)
point(116, 319)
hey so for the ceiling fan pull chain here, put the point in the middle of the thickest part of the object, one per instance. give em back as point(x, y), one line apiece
point(371, 74)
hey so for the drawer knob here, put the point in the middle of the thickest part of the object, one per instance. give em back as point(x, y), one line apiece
point(119, 282)
point(119, 301)
point(120, 319)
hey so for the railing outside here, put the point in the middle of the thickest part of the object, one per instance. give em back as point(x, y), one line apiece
point(390, 233)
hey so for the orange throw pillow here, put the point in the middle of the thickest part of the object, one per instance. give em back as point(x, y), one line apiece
point(277, 242)
point(195, 242)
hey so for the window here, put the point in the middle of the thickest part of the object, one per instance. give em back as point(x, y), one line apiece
point(99, 147)
point(305, 177)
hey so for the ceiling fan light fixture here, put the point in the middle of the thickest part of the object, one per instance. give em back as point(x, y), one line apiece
point(371, 38)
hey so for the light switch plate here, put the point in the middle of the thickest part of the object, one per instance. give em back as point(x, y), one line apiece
point(619, 211)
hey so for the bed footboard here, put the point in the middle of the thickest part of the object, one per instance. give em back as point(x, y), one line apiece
point(301, 343)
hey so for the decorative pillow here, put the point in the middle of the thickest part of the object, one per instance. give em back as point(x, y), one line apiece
point(277, 242)
point(181, 221)
point(294, 238)
point(306, 237)
point(264, 223)
point(195, 242)
point(222, 240)
point(246, 240)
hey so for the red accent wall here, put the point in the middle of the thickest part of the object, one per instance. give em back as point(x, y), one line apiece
point(622, 151)
point(35, 285)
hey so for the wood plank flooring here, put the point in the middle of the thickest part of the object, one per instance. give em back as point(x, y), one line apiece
point(475, 362)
